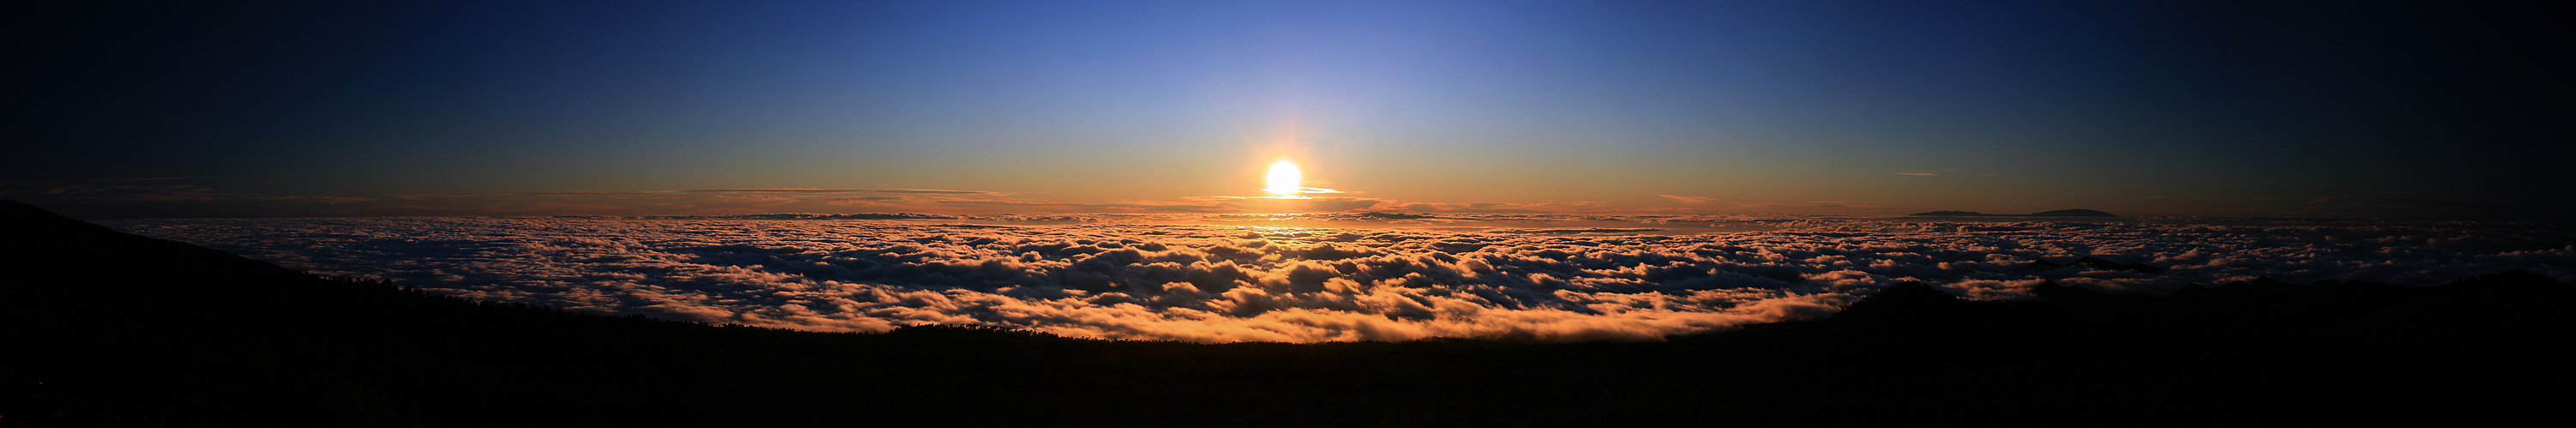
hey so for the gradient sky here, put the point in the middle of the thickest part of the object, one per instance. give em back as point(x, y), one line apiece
point(1814, 107)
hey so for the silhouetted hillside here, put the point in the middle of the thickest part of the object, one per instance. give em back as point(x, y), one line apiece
point(110, 329)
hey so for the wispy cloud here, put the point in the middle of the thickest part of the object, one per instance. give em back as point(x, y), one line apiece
point(1690, 199)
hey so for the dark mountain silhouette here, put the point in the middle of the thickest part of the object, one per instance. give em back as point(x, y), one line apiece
point(2051, 290)
point(111, 329)
point(2057, 213)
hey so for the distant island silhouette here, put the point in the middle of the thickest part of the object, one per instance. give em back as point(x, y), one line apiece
point(2057, 213)
point(105, 328)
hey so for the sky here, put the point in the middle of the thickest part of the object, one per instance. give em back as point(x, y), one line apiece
point(1873, 108)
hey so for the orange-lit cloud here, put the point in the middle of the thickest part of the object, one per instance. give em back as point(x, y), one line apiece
point(1215, 283)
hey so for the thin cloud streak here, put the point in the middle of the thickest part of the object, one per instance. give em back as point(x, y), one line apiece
point(895, 191)
point(1690, 199)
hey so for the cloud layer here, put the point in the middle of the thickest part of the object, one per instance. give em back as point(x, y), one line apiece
point(1380, 278)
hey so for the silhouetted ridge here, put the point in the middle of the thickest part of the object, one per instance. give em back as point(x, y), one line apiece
point(2510, 282)
point(2476, 306)
point(2103, 264)
point(23, 220)
point(51, 246)
point(2191, 291)
point(1910, 300)
point(970, 334)
point(2049, 289)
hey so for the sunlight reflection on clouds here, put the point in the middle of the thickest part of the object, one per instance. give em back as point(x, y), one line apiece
point(1407, 278)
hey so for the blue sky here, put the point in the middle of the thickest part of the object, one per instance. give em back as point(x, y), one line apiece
point(1849, 107)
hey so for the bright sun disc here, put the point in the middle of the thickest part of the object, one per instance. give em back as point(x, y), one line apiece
point(1285, 179)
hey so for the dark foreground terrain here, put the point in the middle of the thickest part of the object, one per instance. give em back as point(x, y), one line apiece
point(99, 328)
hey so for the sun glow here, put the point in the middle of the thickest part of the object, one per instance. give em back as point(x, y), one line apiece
point(1288, 182)
point(1285, 179)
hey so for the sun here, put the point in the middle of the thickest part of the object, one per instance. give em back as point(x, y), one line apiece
point(1288, 182)
point(1285, 179)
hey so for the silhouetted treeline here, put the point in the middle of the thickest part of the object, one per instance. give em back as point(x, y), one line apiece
point(110, 329)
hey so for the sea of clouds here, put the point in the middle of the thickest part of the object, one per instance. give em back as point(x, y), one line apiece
point(1332, 277)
